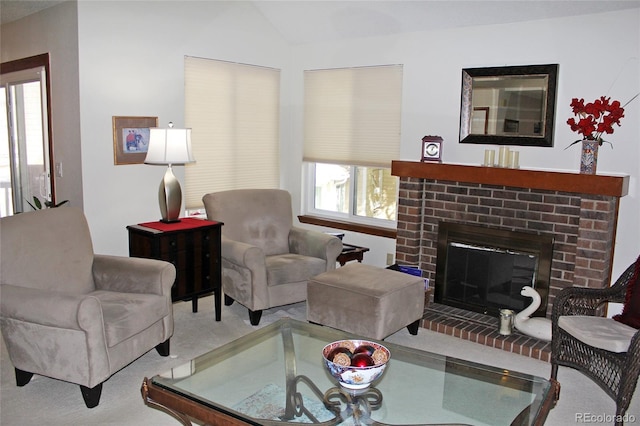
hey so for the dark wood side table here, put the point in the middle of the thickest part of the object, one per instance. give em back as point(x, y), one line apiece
point(193, 246)
point(351, 252)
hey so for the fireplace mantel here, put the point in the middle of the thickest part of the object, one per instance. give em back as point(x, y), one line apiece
point(616, 186)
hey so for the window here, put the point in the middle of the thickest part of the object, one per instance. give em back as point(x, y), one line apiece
point(352, 131)
point(372, 194)
point(233, 110)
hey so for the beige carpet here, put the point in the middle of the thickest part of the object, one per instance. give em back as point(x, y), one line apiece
point(46, 401)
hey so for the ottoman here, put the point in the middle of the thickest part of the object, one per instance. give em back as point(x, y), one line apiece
point(366, 300)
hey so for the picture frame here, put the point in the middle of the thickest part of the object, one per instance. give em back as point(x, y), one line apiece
point(528, 92)
point(131, 138)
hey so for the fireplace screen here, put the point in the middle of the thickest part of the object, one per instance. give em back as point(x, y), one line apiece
point(483, 270)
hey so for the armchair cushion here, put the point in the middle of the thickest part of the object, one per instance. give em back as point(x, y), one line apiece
point(291, 268)
point(125, 314)
point(631, 311)
point(599, 332)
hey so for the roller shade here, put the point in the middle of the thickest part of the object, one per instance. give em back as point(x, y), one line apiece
point(353, 115)
point(234, 113)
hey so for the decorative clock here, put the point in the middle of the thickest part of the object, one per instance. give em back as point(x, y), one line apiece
point(432, 148)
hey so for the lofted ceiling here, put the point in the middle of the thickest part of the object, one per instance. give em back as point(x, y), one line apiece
point(309, 21)
point(313, 21)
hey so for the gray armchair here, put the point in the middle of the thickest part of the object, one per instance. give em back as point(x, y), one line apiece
point(266, 261)
point(70, 314)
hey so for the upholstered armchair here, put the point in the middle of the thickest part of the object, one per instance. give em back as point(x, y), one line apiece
point(605, 350)
point(70, 314)
point(266, 261)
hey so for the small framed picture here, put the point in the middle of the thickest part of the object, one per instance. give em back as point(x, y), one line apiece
point(131, 139)
point(432, 148)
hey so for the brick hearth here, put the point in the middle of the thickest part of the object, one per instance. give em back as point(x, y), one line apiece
point(482, 329)
point(580, 211)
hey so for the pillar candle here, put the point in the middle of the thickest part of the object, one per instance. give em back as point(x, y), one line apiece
point(514, 159)
point(489, 157)
point(503, 156)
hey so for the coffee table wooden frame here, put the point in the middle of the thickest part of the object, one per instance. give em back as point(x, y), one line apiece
point(184, 408)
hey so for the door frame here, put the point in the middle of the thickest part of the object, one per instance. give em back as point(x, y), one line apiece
point(37, 61)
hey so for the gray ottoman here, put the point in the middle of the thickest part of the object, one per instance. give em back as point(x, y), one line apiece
point(366, 300)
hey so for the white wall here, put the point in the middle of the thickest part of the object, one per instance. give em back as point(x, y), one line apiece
point(131, 63)
point(589, 67)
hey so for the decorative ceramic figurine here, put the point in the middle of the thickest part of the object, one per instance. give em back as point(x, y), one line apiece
point(540, 328)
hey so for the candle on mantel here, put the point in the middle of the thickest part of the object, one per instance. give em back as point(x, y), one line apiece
point(514, 159)
point(503, 156)
point(489, 157)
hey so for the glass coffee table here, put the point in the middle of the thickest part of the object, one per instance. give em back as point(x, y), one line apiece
point(276, 376)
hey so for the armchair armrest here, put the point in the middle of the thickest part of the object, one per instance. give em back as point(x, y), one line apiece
point(586, 301)
point(133, 274)
point(634, 346)
point(243, 254)
point(49, 308)
point(580, 301)
point(315, 244)
point(246, 260)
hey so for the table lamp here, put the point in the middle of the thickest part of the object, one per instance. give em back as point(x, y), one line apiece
point(169, 146)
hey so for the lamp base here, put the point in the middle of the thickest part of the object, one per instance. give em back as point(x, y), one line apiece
point(170, 197)
point(170, 220)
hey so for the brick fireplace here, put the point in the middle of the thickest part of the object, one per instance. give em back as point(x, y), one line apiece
point(580, 211)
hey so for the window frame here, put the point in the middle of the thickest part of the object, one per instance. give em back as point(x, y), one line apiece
point(309, 194)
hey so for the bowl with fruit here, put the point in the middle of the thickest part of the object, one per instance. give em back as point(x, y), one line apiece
point(355, 363)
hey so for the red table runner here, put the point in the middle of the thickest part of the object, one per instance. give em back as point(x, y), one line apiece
point(185, 223)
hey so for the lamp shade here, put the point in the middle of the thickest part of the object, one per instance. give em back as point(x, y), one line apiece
point(169, 146)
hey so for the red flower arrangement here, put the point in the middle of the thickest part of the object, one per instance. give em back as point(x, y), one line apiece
point(595, 118)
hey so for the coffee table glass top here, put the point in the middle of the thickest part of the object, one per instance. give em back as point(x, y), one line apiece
point(276, 375)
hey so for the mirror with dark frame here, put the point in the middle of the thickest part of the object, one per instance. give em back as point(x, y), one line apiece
point(509, 105)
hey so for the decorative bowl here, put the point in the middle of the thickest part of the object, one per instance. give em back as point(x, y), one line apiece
point(354, 377)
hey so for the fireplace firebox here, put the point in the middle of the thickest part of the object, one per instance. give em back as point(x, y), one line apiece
point(484, 269)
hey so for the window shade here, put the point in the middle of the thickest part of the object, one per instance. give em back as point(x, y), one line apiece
point(352, 115)
point(233, 111)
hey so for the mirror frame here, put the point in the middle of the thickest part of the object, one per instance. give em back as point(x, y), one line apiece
point(549, 70)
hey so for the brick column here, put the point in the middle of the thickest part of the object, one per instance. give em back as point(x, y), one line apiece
point(410, 201)
point(596, 235)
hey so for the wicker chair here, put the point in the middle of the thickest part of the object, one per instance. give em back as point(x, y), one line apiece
point(615, 370)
